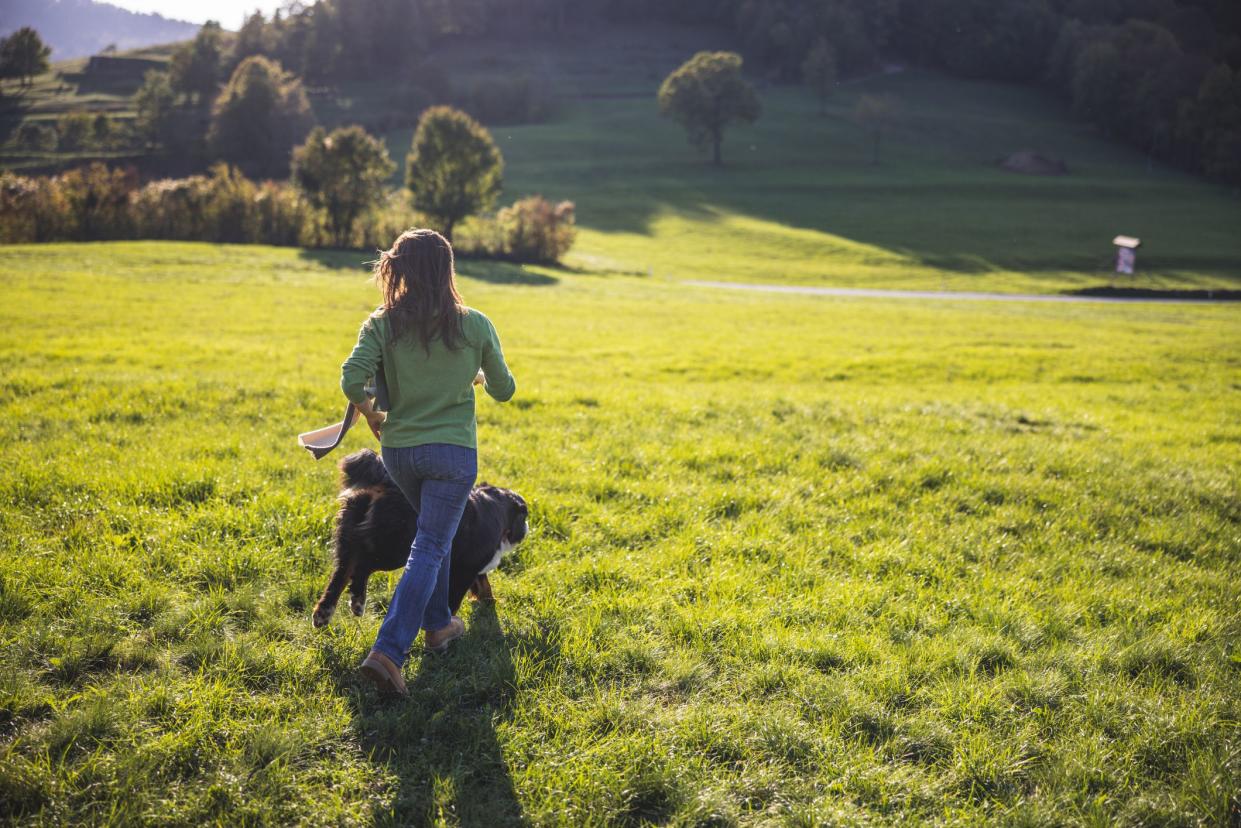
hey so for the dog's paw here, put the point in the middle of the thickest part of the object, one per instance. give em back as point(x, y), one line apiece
point(321, 618)
point(481, 590)
point(357, 607)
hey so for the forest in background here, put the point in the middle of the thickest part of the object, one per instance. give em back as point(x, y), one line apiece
point(1161, 75)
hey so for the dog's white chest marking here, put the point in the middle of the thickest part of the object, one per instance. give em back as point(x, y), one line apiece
point(504, 549)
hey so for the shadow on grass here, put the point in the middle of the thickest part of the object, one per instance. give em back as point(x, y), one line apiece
point(503, 273)
point(485, 270)
point(339, 259)
point(441, 742)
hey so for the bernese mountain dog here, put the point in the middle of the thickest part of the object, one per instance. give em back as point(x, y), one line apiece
point(376, 525)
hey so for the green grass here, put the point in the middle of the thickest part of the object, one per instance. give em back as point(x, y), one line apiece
point(793, 561)
point(800, 202)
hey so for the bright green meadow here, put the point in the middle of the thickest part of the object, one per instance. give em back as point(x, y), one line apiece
point(793, 560)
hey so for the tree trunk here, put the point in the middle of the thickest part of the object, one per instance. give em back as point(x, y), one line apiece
point(448, 225)
point(716, 159)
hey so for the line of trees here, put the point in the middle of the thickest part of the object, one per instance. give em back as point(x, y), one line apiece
point(74, 131)
point(1163, 75)
point(337, 196)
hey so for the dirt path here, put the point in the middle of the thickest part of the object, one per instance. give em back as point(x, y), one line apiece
point(952, 296)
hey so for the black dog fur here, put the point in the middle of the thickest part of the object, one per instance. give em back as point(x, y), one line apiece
point(376, 525)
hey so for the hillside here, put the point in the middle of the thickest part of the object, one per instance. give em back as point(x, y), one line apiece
point(79, 28)
point(799, 200)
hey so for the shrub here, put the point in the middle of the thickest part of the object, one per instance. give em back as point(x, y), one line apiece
point(36, 137)
point(96, 202)
point(29, 209)
point(222, 207)
point(170, 208)
point(342, 173)
point(535, 230)
point(104, 130)
point(75, 130)
point(283, 217)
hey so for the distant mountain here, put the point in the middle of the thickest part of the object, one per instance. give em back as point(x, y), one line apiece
point(77, 28)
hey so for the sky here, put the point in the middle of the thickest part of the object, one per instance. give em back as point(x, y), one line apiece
point(230, 13)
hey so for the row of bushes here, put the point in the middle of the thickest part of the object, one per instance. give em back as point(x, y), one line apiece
point(75, 131)
point(97, 203)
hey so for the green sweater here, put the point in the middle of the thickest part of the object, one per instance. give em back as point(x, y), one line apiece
point(431, 398)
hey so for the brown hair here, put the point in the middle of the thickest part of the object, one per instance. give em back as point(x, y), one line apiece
point(419, 284)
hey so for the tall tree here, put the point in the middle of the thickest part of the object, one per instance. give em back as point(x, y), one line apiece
point(195, 69)
point(706, 96)
point(23, 54)
point(453, 169)
point(258, 118)
point(342, 173)
point(251, 39)
point(154, 103)
point(818, 71)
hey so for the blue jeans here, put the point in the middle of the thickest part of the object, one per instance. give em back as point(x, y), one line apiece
point(436, 479)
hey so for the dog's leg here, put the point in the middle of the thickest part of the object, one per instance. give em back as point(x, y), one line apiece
point(327, 604)
point(481, 589)
point(347, 543)
point(357, 592)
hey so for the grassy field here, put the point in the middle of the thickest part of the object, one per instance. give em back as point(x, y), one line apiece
point(800, 202)
point(793, 561)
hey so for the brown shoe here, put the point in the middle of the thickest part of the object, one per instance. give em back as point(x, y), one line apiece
point(384, 673)
point(437, 641)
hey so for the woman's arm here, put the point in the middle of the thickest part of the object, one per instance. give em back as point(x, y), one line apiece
point(360, 366)
point(499, 379)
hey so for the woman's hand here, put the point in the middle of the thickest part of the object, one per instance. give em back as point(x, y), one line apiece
point(479, 378)
point(374, 419)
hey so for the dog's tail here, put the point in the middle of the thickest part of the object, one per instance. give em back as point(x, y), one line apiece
point(361, 470)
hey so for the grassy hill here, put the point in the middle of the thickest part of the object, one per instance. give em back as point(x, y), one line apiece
point(792, 562)
point(799, 201)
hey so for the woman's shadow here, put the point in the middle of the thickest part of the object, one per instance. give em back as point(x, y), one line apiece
point(441, 742)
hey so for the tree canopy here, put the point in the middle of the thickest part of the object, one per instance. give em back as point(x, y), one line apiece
point(195, 67)
point(343, 173)
point(154, 104)
point(453, 169)
point(23, 54)
point(706, 95)
point(258, 118)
